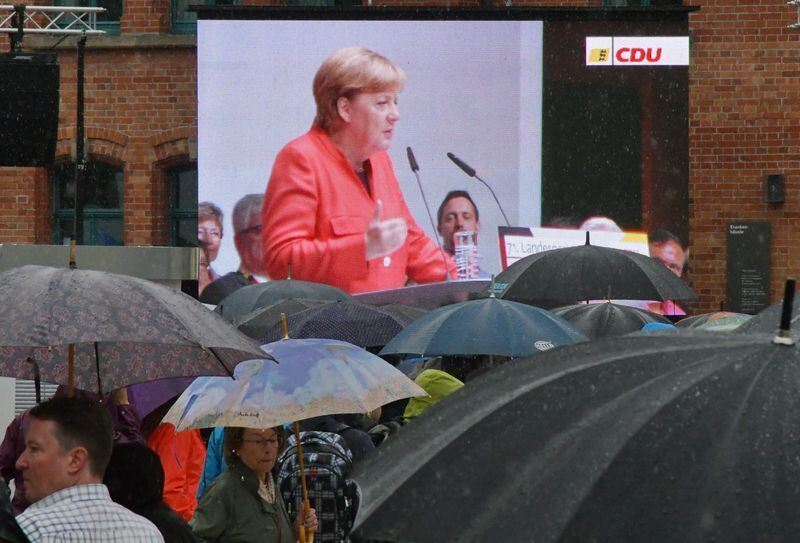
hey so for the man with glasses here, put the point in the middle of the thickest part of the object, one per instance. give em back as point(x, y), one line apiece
point(247, 240)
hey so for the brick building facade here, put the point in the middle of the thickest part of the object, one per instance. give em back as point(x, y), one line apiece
point(141, 117)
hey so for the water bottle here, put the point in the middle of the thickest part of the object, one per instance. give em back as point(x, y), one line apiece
point(466, 254)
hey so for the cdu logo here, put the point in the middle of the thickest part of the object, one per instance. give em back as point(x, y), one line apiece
point(599, 55)
point(544, 345)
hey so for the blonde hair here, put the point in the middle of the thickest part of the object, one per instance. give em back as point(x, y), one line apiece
point(346, 73)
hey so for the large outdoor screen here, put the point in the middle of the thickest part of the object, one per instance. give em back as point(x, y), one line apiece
point(557, 138)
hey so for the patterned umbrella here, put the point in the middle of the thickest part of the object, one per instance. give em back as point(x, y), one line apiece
point(121, 330)
point(314, 377)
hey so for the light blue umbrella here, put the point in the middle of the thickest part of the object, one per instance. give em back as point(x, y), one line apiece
point(313, 377)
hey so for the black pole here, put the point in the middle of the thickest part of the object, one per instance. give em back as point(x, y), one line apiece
point(783, 336)
point(80, 159)
point(788, 303)
point(19, 21)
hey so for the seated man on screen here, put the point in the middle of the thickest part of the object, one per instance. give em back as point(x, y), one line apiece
point(667, 248)
point(458, 213)
point(247, 239)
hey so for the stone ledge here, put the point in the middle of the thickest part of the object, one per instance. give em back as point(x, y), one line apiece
point(35, 42)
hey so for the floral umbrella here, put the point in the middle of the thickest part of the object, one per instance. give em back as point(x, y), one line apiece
point(99, 331)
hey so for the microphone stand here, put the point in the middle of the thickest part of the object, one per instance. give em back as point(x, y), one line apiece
point(412, 161)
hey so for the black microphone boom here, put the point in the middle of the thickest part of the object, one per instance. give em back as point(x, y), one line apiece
point(412, 161)
point(461, 164)
point(471, 172)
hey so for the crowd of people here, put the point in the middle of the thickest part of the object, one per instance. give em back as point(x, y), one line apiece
point(86, 469)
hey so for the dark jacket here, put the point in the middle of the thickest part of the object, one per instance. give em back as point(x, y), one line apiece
point(358, 441)
point(135, 479)
point(231, 511)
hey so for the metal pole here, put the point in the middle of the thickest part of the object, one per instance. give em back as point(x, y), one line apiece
point(80, 159)
point(16, 39)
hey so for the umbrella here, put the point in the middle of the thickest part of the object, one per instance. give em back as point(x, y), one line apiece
point(245, 300)
point(357, 323)
point(314, 377)
point(150, 395)
point(687, 437)
point(256, 323)
point(697, 321)
point(725, 324)
point(589, 272)
point(768, 320)
point(607, 319)
point(408, 313)
point(121, 330)
point(488, 326)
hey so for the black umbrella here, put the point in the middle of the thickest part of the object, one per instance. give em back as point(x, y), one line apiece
point(107, 330)
point(407, 312)
point(607, 319)
point(245, 300)
point(589, 272)
point(687, 437)
point(769, 319)
point(256, 323)
point(356, 323)
point(484, 327)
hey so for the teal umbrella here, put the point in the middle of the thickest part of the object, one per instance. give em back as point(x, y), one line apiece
point(489, 326)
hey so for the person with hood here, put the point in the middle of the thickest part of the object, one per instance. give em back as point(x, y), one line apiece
point(438, 384)
point(135, 480)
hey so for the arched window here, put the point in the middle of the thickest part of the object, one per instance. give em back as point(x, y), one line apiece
point(102, 209)
point(183, 205)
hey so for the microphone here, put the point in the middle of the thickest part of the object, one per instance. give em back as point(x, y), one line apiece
point(471, 172)
point(412, 161)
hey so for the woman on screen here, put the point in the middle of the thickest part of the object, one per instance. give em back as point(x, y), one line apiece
point(333, 209)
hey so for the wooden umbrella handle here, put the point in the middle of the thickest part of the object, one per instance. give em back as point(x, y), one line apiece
point(71, 370)
point(306, 503)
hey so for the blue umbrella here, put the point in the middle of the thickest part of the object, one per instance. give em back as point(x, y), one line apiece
point(484, 327)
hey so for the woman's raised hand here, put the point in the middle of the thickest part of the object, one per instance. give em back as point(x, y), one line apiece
point(384, 237)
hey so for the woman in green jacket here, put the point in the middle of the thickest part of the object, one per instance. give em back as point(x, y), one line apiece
point(243, 504)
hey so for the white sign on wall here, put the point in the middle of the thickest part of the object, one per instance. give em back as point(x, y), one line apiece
point(637, 51)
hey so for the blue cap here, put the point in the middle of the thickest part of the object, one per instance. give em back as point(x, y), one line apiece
point(658, 327)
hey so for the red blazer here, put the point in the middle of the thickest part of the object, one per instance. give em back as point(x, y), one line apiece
point(316, 211)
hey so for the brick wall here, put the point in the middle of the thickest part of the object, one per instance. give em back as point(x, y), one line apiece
point(744, 124)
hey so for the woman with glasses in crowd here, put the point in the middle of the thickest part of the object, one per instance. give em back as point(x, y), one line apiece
point(243, 505)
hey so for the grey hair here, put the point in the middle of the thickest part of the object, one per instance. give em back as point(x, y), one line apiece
point(245, 208)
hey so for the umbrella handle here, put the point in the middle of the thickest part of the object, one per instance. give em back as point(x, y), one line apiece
point(302, 529)
point(71, 370)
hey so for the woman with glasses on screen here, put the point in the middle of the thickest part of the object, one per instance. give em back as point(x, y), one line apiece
point(333, 210)
point(243, 504)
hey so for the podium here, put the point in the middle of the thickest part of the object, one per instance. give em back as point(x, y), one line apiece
point(428, 295)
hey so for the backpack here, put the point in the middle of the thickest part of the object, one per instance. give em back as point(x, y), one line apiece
point(327, 461)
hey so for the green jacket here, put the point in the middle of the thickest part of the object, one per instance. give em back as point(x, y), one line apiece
point(437, 384)
point(231, 511)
